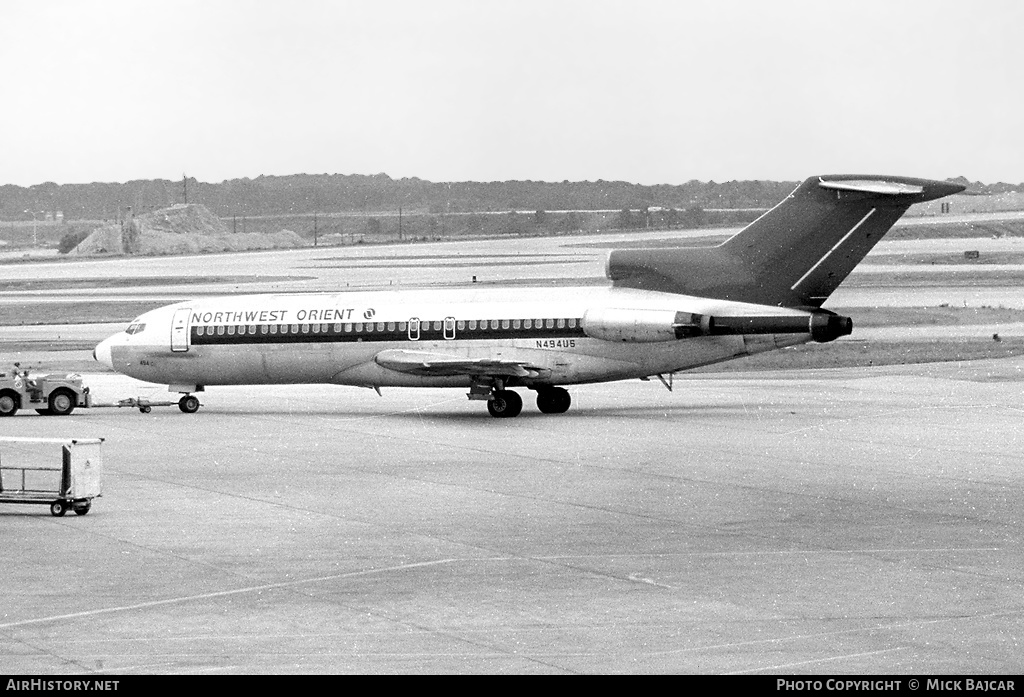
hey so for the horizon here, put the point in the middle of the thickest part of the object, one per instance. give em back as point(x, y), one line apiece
point(503, 181)
point(649, 92)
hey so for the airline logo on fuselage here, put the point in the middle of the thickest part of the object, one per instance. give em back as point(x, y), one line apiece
point(329, 314)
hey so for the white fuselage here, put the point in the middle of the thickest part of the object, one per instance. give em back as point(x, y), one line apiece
point(338, 337)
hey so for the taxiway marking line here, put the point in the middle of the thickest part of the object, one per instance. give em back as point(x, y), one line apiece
point(221, 594)
point(816, 660)
point(658, 555)
point(853, 630)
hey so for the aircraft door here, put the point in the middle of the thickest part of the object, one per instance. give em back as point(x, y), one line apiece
point(179, 329)
point(414, 329)
point(449, 328)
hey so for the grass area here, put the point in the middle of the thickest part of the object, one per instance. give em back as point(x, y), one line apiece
point(136, 282)
point(986, 258)
point(975, 278)
point(854, 354)
point(63, 356)
point(26, 314)
point(958, 229)
point(929, 316)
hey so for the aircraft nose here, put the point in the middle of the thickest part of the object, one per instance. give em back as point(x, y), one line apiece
point(102, 353)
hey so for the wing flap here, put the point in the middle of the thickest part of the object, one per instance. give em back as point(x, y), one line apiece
point(440, 364)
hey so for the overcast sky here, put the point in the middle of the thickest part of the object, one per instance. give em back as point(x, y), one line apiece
point(644, 91)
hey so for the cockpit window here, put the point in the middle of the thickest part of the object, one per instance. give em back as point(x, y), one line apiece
point(135, 328)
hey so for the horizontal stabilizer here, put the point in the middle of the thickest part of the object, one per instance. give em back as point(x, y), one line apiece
point(873, 186)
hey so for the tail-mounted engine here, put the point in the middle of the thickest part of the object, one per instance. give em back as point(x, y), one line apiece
point(645, 326)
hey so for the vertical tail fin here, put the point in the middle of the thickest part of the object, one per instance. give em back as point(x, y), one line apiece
point(794, 255)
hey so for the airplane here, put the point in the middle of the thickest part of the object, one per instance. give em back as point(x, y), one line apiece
point(665, 310)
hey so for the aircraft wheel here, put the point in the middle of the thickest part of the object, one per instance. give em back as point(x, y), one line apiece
point(189, 404)
point(62, 402)
point(505, 404)
point(553, 400)
point(8, 404)
point(58, 508)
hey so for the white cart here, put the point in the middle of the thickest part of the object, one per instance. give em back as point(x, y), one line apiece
point(29, 472)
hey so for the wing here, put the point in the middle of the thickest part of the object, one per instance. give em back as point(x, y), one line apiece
point(440, 364)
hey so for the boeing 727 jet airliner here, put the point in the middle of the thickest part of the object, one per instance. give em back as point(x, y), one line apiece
point(664, 311)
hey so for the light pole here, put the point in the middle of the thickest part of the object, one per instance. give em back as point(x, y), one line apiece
point(35, 238)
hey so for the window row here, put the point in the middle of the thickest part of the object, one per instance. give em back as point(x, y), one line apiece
point(369, 327)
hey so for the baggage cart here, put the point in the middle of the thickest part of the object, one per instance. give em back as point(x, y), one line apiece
point(63, 473)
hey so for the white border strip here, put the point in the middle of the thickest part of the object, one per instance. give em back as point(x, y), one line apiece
point(834, 248)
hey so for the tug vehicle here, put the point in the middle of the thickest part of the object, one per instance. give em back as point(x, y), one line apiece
point(54, 394)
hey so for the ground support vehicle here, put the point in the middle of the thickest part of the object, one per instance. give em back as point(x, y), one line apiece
point(54, 394)
point(26, 475)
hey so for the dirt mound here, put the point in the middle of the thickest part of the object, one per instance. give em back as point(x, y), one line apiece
point(180, 229)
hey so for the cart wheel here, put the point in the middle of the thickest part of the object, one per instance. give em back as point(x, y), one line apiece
point(62, 401)
point(8, 403)
point(58, 508)
point(189, 404)
point(83, 508)
point(145, 410)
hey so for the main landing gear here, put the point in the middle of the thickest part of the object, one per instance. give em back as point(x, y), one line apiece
point(504, 404)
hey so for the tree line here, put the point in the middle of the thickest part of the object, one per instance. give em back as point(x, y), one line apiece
point(305, 193)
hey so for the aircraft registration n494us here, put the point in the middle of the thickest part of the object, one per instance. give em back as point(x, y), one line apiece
point(666, 310)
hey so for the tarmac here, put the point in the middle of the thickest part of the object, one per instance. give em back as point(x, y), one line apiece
point(847, 521)
point(841, 522)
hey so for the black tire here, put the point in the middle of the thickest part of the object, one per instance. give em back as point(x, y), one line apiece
point(145, 410)
point(62, 401)
point(58, 508)
point(82, 508)
point(189, 404)
point(553, 400)
point(8, 403)
point(505, 404)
